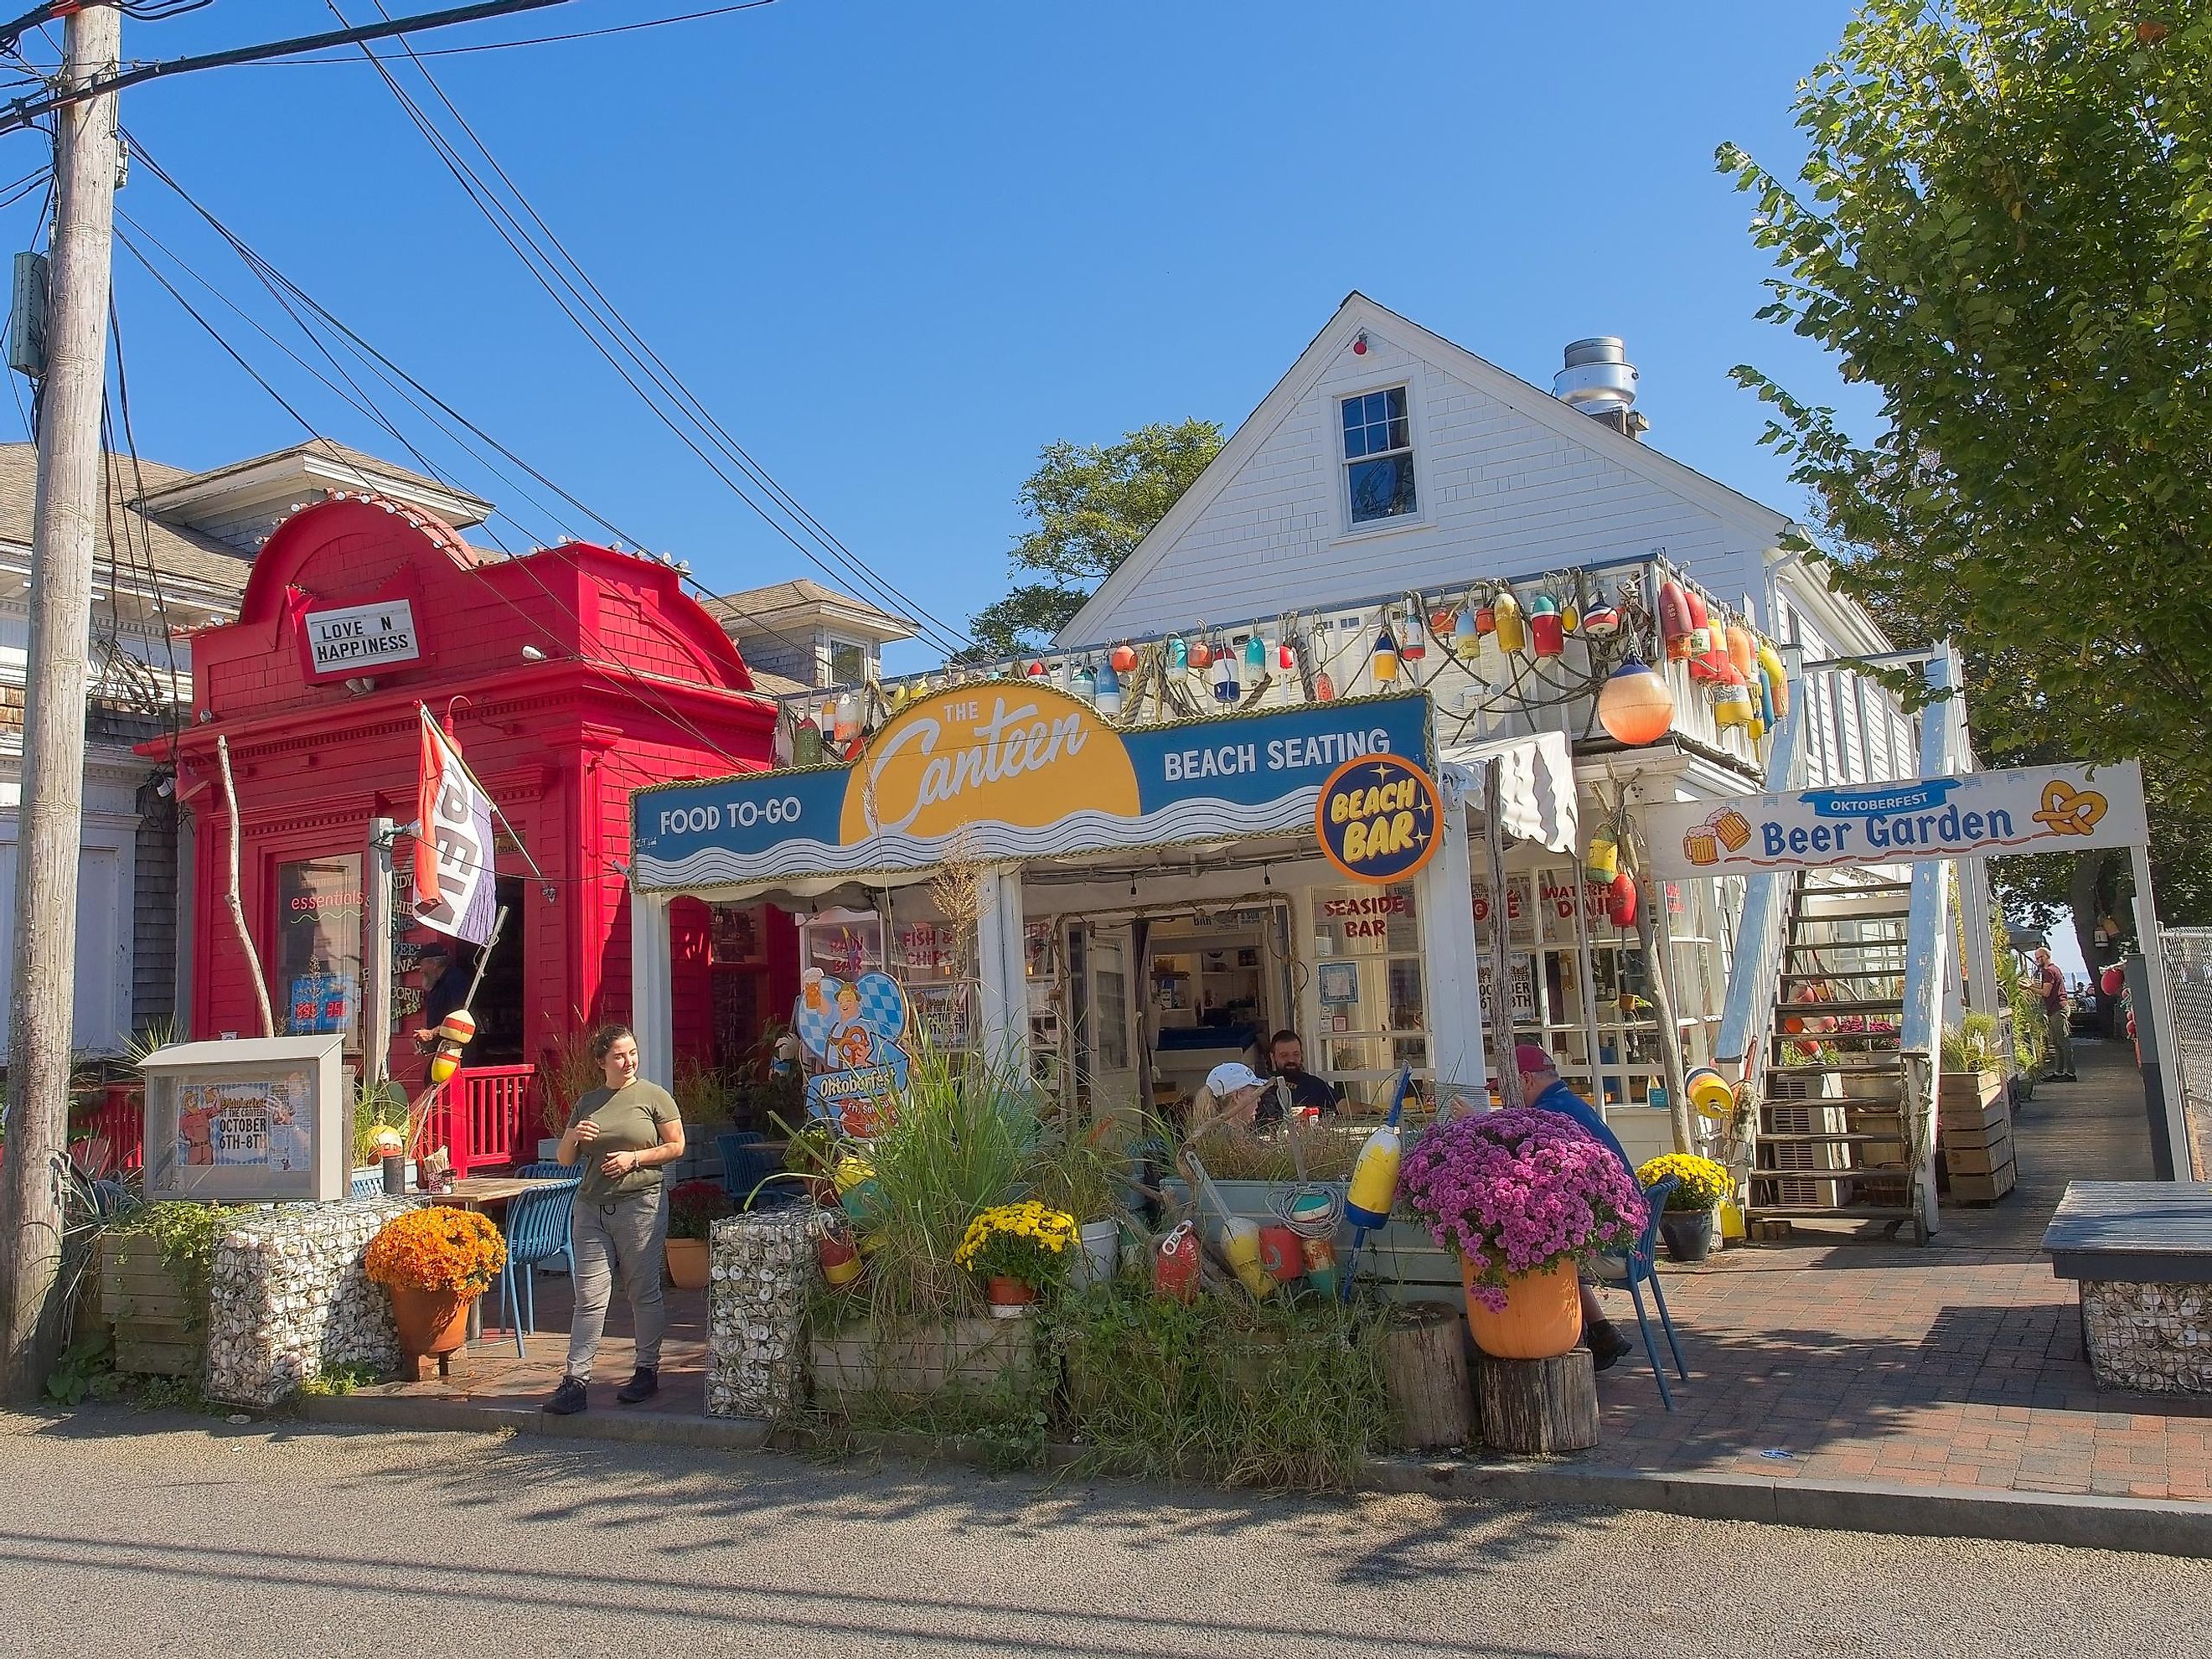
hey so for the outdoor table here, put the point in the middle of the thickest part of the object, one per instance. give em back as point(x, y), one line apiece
point(482, 1193)
point(2142, 1253)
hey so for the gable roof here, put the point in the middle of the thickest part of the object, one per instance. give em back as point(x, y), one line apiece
point(1357, 311)
point(318, 462)
point(178, 551)
point(763, 608)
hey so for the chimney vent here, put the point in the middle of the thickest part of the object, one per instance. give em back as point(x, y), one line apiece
point(1599, 379)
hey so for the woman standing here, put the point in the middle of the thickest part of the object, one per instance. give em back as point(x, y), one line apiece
point(623, 1132)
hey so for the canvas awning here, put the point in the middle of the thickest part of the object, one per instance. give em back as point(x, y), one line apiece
point(1535, 781)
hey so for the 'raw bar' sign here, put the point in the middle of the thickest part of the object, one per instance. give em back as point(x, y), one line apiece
point(2033, 809)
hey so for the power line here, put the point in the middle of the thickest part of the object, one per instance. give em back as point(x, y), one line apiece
point(542, 39)
point(608, 319)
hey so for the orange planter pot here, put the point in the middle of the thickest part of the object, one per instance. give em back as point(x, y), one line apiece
point(1010, 1298)
point(430, 1321)
point(1542, 1317)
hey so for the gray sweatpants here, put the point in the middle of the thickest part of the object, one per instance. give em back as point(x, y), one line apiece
point(625, 1234)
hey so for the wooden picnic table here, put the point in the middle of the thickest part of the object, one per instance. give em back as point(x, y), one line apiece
point(481, 1193)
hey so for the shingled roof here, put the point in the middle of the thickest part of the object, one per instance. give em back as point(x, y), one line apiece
point(178, 552)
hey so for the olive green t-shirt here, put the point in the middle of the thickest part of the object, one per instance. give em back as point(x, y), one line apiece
point(629, 1120)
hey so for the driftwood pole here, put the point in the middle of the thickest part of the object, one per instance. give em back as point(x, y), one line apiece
point(237, 906)
point(1499, 1013)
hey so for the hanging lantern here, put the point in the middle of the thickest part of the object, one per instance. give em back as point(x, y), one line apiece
point(1085, 683)
point(1620, 901)
point(1225, 687)
point(1178, 653)
point(1255, 655)
point(1384, 661)
point(1200, 654)
point(1675, 620)
point(1600, 621)
point(1466, 636)
point(1635, 707)
point(1124, 660)
point(1547, 632)
point(1511, 636)
point(1602, 863)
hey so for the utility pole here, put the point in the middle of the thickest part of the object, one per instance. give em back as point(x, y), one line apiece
point(48, 822)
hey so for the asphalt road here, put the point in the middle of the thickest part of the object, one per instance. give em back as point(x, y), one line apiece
point(181, 1537)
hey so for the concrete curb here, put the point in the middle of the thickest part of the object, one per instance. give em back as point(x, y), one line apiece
point(2146, 1526)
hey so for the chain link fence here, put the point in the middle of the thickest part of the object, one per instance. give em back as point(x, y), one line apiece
point(2189, 971)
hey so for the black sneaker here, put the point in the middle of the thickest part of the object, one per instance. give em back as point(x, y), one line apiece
point(568, 1399)
point(1607, 1345)
point(643, 1384)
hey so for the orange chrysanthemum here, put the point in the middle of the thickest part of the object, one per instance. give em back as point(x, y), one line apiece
point(437, 1248)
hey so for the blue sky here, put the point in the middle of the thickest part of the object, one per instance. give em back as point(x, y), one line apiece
point(897, 248)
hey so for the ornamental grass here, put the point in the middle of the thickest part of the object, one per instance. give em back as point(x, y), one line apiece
point(437, 1248)
point(1517, 1192)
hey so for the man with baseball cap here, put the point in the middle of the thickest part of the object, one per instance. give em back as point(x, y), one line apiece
point(1543, 1087)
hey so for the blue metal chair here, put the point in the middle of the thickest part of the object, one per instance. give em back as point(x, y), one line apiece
point(566, 1254)
point(1641, 1267)
point(746, 1162)
point(365, 1183)
point(536, 1229)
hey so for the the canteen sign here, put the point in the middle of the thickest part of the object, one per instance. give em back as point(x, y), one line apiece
point(1010, 769)
point(2037, 809)
point(1377, 818)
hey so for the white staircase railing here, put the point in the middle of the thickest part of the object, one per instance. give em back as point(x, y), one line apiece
point(1928, 936)
point(1748, 1014)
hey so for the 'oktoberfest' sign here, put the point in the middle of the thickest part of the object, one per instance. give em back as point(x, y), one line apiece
point(2036, 809)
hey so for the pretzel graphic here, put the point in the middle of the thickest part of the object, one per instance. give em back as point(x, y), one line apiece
point(2068, 810)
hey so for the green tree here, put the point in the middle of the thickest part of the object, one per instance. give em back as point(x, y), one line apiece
point(1092, 504)
point(2004, 223)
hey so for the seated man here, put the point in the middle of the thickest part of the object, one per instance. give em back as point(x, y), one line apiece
point(1310, 1095)
point(1543, 1087)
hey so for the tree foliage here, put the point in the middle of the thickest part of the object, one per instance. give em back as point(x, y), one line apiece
point(1092, 504)
point(2005, 224)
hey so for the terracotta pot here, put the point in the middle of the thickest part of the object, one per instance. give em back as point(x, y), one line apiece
point(430, 1321)
point(687, 1263)
point(1010, 1298)
point(1542, 1318)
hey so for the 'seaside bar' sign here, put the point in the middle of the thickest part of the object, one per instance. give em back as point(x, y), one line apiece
point(2036, 809)
point(1013, 771)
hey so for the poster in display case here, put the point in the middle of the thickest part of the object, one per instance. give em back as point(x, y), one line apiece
point(258, 1120)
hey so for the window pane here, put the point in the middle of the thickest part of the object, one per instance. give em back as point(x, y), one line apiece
point(319, 906)
point(1396, 434)
point(848, 663)
point(1351, 413)
point(1381, 489)
point(1355, 441)
point(1394, 403)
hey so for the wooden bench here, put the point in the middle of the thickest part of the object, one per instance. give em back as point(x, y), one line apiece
point(2142, 1253)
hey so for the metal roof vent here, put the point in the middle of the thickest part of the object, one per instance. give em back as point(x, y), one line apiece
point(1598, 380)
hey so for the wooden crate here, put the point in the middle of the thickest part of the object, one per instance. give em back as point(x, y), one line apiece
point(974, 1354)
point(1983, 1190)
point(158, 1332)
point(1975, 1120)
point(1969, 1093)
point(1978, 1160)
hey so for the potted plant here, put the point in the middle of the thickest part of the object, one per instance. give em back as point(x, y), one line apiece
point(435, 1261)
point(1693, 1207)
point(1521, 1197)
point(693, 1207)
point(1017, 1250)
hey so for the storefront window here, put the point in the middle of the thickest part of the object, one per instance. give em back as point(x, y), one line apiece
point(1371, 1013)
point(319, 910)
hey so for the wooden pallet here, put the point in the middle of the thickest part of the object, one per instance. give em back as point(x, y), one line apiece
point(158, 1331)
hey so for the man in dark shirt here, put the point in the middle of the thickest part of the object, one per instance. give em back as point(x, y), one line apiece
point(1287, 1059)
point(444, 987)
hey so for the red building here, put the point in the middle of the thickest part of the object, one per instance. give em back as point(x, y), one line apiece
point(568, 678)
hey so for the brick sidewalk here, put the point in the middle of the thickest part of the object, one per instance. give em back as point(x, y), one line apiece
point(1956, 1365)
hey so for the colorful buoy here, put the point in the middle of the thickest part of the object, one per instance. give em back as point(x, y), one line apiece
point(1547, 630)
point(1106, 690)
point(1506, 610)
point(1124, 659)
point(1635, 707)
point(1384, 661)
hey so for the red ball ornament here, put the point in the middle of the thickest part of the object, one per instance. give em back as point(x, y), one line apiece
point(2111, 981)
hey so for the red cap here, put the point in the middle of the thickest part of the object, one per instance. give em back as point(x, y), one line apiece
point(1528, 1057)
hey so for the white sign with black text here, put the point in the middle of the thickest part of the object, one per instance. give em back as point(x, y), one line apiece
point(363, 636)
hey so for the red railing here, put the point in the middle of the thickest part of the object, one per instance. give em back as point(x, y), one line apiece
point(487, 1117)
point(111, 1137)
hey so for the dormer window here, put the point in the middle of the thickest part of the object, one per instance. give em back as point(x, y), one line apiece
point(1378, 456)
point(849, 663)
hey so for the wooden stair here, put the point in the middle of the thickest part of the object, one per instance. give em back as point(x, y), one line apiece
point(1836, 1138)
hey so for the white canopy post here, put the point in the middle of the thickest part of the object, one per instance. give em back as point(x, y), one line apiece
point(1444, 900)
point(1002, 967)
point(652, 988)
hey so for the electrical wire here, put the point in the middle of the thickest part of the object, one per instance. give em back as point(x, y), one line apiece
point(609, 321)
point(541, 39)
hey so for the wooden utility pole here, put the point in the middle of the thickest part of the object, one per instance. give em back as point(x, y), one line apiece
point(50, 817)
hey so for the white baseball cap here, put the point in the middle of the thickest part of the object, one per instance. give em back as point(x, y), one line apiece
point(1226, 1078)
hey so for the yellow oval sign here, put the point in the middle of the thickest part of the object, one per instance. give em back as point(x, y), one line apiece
point(1026, 756)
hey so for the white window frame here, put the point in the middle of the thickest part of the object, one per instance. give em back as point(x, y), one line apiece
point(830, 643)
point(1405, 378)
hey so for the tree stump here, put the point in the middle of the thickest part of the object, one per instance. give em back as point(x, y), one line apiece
point(1424, 1364)
point(1543, 1405)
